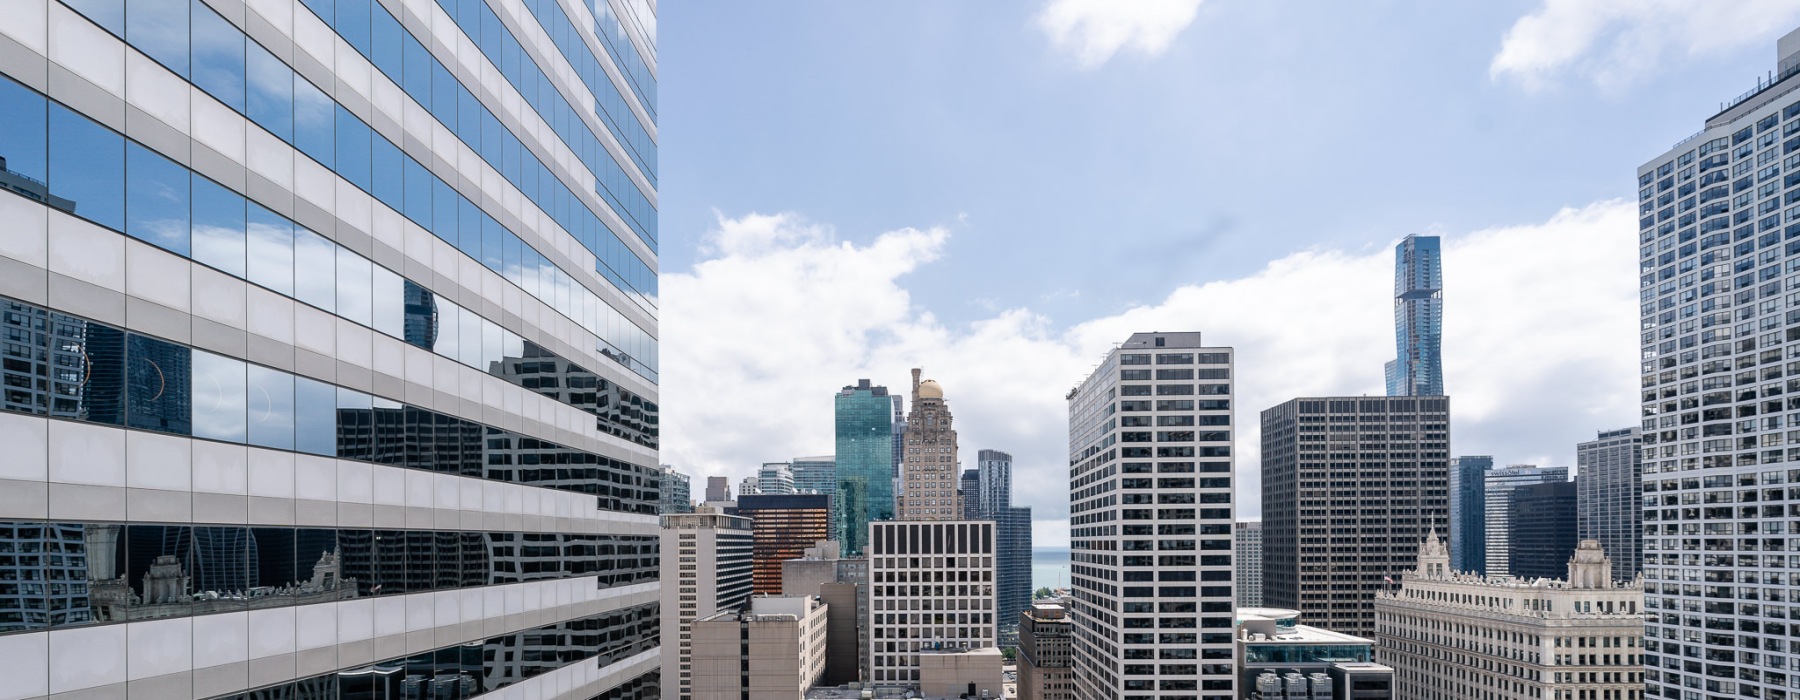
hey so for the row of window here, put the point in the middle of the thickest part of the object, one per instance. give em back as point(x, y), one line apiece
point(115, 182)
point(393, 50)
point(468, 670)
point(610, 102)
point(69, 574)
point(67, 367)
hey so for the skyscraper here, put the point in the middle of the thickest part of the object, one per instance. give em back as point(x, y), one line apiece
point(819, 475)
point(968, 494)
point(1418, 368)
point(784, 525)
point(994, 479)
point(718, 488)
point(1713, 279)
point(1247, 546)
point(1542, 536)
point(775, 478)
point(931, 588)
point(1351, 485)
point(865, 461)
point(1012, 570)
point(1609, 507)
point(724, 582)
point(928, 466)
point(1468, 512)
point(676, 496)
point(1498, 511)
point(330, 345)
point(1150, 515)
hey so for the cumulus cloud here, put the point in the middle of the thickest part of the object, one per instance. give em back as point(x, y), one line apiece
point(1614, 42)
point(1540, 345)
point(1092, 31)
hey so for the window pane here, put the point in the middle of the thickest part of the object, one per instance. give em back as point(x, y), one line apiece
point(354, 298)
point(219, 405)
point(159, 28)
point(218, 226)
point(270, 249)
point(156, 204)
point(157, 394)
point(106, 13)
point(271, 406)
point(313, 118)
point(353, 23)
point(390, 175)
point(389, 293)
point(218, 57)
point(421, 322)
point(271, 98)
point(418, 193)
point(386, 47)
point(315, 269)
point(88, 382)
point(315, 417)
point(87, 167)
point(158, 558)
point(22, 150)
point(352, 148)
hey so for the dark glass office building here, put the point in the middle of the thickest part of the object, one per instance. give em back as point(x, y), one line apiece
point(328, 358)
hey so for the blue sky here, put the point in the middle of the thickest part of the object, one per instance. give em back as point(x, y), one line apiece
point(997, 185)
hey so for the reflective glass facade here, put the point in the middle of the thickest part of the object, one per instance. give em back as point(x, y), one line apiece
point(1468, 512)
point(865, 462)
point(1418, 367)
point(328, 356)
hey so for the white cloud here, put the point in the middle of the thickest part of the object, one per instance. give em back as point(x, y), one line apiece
point(1092, 31)
point(1540, 344)
point(1613, 42)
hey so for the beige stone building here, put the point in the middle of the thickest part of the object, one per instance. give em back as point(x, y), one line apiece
point(1451, 635)
point(928, 458)
point(706, 560)
point(773, 651)
point(974, 673)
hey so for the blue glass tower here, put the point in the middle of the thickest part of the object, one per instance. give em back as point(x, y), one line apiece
point(1418, 368)
point(865, 462)
point(1468, 512)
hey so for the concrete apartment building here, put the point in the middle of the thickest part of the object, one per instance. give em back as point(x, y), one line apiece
point(1044, 669)
point(707, 562)
point(1150, 520)
point(1451, 635)
point(299, 301)
point(772, 650)
point(1351, 485)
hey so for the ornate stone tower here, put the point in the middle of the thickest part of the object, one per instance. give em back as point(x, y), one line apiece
point(928, 462)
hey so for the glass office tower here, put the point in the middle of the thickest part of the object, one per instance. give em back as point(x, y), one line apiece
point(1418, 367)
point(1609, 506)
point(1468, 512)
point(329, 365)
point(865, 462)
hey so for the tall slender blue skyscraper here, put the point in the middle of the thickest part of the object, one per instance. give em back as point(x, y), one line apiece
point(1418, 368)
point(1468, 512)
point(865, 462)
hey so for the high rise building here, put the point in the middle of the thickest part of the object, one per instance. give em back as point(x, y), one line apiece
point(775, 478)
point(718, 488)
point(1542, 537)
point(784, 526)
point(1468, 512)
point(1350, 487)
point(1247, 546)
point(707, 560)
point(1498, 511)
point(1418, 368)
point(1280, 658)
point(775, 648)
point(818, 475)
point(865, 461)
point(1726, 442)
point(1609, 509)
point(1150, 484)
point(330, 345)
point(899, 434)
point(1452, 636)
point(968, 495)
point(1012, 570)
point(676, 496)
point(750, 486)
point(928, 466)
point(931, 587)
point(993, 480)
point(1043, 659)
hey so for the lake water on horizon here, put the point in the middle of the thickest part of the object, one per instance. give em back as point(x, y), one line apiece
point(1049, 567)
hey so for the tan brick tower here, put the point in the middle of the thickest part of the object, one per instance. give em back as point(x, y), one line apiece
point(928, 460)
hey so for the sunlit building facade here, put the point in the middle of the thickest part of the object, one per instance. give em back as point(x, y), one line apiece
point(328, 349)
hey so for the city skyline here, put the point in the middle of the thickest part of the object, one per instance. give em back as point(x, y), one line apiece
point(914, 281)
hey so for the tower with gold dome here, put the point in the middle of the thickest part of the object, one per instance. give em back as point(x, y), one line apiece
point(928, 459)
